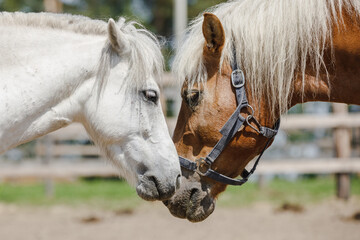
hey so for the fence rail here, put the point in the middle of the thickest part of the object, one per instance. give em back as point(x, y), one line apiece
point(309, 121)
point(59, 148)
point(101, 169)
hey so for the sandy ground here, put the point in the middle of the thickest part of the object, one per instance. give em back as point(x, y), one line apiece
point(330, 220)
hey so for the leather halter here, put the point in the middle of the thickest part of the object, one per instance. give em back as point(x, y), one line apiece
point(203, 165)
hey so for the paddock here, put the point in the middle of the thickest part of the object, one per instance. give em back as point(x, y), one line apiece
point(331, 220)
point(68, 154)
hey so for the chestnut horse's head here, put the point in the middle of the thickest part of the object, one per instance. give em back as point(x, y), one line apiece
point(285, 58)
point(207, 105)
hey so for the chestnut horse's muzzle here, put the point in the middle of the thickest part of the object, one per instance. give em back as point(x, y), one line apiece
point(192, 201)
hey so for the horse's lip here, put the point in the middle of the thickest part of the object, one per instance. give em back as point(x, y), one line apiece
point(150, 188)
point(190, 208)
point(147, 192)
point(199, 213)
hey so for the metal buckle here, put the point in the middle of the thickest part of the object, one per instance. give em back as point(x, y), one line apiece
point(256, 122)
point(202, 166)
point(237, 75)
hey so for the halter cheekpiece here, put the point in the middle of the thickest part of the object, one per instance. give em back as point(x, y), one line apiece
point(203, 165)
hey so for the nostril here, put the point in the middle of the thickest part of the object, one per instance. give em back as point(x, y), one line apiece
point(178, 181)
point(154, 180)
point(193, 192)
point(142, 169)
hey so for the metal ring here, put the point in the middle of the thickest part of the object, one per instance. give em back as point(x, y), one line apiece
point(202, 166)
point(252, 110)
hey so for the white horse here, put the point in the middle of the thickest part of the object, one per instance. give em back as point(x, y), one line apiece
point(58, 69)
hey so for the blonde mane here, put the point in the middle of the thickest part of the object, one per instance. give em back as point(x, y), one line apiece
point(273, 40)
point(143, 50)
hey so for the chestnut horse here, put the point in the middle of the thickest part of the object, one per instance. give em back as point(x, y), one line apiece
point(290, 52)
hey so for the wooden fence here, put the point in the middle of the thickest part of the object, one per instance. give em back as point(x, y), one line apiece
point(66, 159)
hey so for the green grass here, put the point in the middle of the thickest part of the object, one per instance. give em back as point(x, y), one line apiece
point(278, 191)
point(115, 194)
point(112, 194)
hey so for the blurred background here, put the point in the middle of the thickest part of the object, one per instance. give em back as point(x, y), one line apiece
point(307, 184)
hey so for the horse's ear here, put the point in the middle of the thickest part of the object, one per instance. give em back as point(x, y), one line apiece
point(213, 33)
point(114, 36)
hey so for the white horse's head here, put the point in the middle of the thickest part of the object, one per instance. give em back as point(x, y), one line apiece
point(124, 115)
point(103, 75)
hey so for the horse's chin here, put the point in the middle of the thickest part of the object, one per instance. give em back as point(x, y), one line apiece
point(194, 205)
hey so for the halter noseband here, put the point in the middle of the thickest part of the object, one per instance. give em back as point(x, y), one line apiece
point(203, 165)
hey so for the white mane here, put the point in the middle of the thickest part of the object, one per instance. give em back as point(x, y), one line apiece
point(145, 57)
point(143, 48)
point(66, 22)
point(273, 40)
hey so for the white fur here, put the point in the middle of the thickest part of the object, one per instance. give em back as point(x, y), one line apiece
point(273, 40)
point(58, 69)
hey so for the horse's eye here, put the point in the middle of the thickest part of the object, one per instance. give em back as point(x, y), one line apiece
point(192, 97)
point(151, 95)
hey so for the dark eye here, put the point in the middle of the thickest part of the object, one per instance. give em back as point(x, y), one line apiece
point(192, 97)
point(151, 95)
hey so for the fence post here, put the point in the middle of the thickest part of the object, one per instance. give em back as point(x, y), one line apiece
point(261, 181)
point(180, 20)
point(46, 159)
point(343, 151)
point(55, 6)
